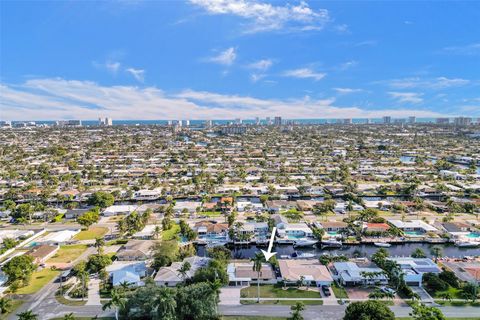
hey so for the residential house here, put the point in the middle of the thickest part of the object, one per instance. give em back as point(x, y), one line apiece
point(135, 250)
point(414, 269)
point(242, 274)
point(171, 276)
point(351, 274)
point(311, 271)
point(130, 272)
point(42, 253)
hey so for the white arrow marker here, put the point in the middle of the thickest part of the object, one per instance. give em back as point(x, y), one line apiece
point(268, 254)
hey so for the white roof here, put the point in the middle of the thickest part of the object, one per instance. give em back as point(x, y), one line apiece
point(59, 236)
point(417, 224)
point(120, 208)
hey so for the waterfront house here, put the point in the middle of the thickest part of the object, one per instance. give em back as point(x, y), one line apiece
point(312, 272)
point(242, 274)
point(413, 227)
point(414, 268)
point(295, 231)
point(333, 226)
point(351, 274)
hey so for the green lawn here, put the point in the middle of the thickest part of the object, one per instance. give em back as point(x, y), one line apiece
point(75, 303)
point(210, 213)
point(456, 293)
point(91, 233)
point(15, 304)
point(39, 280)
point(251, 318)
point(171, 233)
point(340, 293)
point(284, 302)
point(67, 254)
point(277, 291)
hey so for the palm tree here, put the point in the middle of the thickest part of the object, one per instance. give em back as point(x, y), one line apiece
point(69, 316)
point(297, 308)
point(156, 232)
point(166, 304)
point(446, 296)
point(257, 260)
point(436, 252)
point(5, 305)
point(99, 243)
point(27, 315)
point(186, 266)
point(118, 301)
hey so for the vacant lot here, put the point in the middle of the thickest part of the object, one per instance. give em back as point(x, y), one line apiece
point(39, 280)
point(67, 254)
point(91, 233)
point(271, 291)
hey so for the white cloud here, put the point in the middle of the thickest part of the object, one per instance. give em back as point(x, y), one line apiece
point(407, 97)
point(347, 90)
point(342, 28)
point(138, 74)
point(261, 65)
point(263, 16)
point(433, 83)
point(56, 98)
point(347, 65)
point(226, 57)
point(110, 66)
point(467, 50)
point(255, 77)
point(304, 73)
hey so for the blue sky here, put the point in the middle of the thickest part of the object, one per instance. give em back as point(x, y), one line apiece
point(205, 59)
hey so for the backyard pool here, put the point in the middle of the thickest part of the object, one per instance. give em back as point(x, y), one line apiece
point(473, 235)
point(414, 233)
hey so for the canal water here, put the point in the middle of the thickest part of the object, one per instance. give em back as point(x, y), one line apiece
point(363, 250)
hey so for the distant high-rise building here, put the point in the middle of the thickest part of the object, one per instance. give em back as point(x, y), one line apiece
point(412, 119)
point(268, 120)
point(185, 123)
point(5, 124)
point(347, 121)
point(238, 121)
point(367, 121)
point(208, 124)
point(442, 121)
point(387, 120)
point(103, 122)
point(277, 121)
point(257, 121)
point(234, 130)
point(463, 121)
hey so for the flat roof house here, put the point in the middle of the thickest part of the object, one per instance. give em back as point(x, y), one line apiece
point(351, 274)
point(312, 271)
point(414, 268)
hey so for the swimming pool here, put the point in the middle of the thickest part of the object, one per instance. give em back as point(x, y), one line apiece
point(473, 235)
point(414, 233)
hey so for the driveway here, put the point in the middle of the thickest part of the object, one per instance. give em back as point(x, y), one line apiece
point(422, 293)
point(230, 296)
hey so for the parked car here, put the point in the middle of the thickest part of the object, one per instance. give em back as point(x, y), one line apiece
point(326, 290)
point(387, 290)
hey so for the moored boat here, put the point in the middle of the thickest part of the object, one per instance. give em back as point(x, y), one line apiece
point(382, 244)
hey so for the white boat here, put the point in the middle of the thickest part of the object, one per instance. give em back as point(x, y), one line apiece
point(302, 255)
point(304, 243)
point(467, 244)
point(331, 243)
point(382, 244)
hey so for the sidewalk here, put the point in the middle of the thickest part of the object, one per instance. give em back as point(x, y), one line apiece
point(93, 293)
